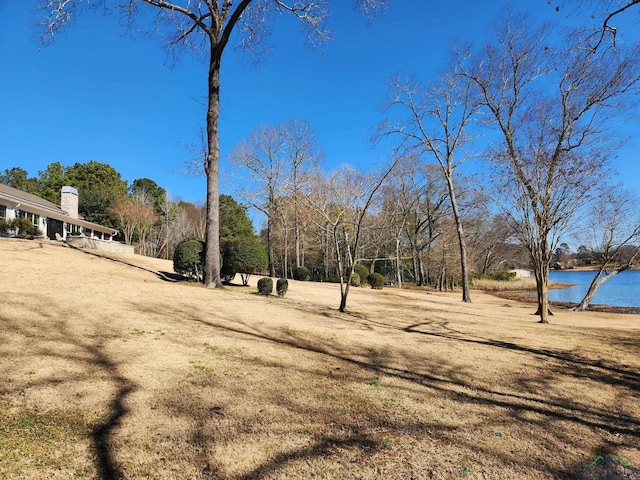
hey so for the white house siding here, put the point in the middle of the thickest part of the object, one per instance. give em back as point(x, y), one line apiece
point(14, 200)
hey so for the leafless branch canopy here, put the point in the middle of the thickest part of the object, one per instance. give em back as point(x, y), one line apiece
point(607, 10)
point(189, 24)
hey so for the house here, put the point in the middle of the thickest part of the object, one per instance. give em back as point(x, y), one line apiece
point(55, 222)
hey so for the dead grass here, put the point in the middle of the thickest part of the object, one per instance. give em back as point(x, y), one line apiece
point(516, 284)
point(112, 370)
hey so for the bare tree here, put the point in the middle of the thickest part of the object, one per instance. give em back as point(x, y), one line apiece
point(424, 224)
point(273, 162)
point(342, 202)
point(123, 209)
point(262, 160)
point(435, 124)
point(605, 11)
point(614, 224)
point(136, 216)
point(205, 27)
point(145, 218)
point(551, 107)
point(304, 154)
point(411, 210)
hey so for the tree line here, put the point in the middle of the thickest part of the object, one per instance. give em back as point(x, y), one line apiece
point(546, 101)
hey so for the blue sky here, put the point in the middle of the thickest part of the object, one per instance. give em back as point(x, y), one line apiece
point(100, 94)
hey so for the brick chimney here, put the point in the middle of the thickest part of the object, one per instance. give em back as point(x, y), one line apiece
point(69, 201)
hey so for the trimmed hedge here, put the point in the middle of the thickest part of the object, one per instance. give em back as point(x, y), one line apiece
point(265, 286)
point(362, 271)
point(355, 280)
point(245, 256)
point(376, 280)
point(301, 273)
point(188, 258)
point(282, 286)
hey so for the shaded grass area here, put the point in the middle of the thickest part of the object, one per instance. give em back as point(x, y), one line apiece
point(142, 378)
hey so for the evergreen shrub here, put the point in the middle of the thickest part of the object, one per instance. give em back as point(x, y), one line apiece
point(499, 275)
point(355, 280)
point(502, 275)
point(301, 273)
point(376, 281)
point(282, 286)
point(5, 226)
point(265, 286)
point(245, 256)
point(362, 271)
point(188, 258)
point(24, 228)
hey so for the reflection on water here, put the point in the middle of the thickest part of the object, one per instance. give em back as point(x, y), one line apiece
point(623, 290)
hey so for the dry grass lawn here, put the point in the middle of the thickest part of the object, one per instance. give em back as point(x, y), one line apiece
point(111, 369)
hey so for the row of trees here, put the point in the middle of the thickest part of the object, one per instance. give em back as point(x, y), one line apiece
point(548, 103)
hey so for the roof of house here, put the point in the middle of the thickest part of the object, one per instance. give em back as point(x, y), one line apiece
point(24, 198)
point(46, 208)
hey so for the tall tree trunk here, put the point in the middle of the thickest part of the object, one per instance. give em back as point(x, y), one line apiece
point(593, 287)
point(297, 234)
point(421, 271)
point(211, 274)
point(296, 222)
point(466, 296)
point(270, 252)
point(285, 266)
point(398, 265)
point(542, 287)
point(344, 288)
point(599, 280)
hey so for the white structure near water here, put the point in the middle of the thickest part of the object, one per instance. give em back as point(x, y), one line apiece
point(521, 273)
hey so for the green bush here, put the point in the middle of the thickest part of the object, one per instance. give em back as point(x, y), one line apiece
point(5, 226)
point(282, 286)
point(499, 275)
point(245, 256)
point(188, 258)
point(301, 273)
point(265, 286)
point(362, 271)
point(355, 280)
point(24, 228)
point(376, 280)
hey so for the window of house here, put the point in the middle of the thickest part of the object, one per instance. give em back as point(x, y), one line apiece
point(33, 218)
point(73, 229)
point(3, 211)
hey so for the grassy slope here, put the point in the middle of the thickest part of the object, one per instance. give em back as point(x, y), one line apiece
point(111, 370)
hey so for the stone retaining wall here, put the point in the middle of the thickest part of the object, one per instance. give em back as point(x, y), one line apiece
point(97, 244)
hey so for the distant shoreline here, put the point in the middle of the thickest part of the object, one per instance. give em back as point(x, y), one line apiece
point(526, 297)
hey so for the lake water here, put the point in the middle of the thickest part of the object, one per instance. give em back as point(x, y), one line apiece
point(623, 290)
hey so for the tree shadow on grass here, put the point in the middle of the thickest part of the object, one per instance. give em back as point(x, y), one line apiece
point(102, 434)
point(59, 341)
point(557, 415)
point(165, 276)
point(605, 371)
point(322, 447)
